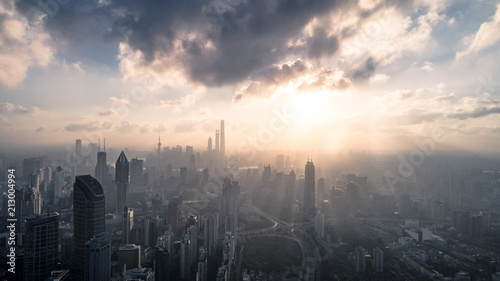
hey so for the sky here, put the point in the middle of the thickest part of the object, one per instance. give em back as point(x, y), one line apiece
point(317, 75)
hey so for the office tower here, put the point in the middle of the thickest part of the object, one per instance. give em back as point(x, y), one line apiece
point(78, 147)
point(266, 177)
point(192, 231)
point(42, 242)
point(201, 275)
point(360, 254)
point(128, 224)
point(184, 257)
point(210, 233)
point(88, 218)
point(309, 188)
point(101, 169)
point(136, 168)
point(98, 258)
point(142, 274)
point(378, 260)
point(153, 228)
point(217, 143)
point(172, 212)
point(121, 181)
point(58, 184)
point(158, 152)
point(129, 257)
point(161, 264)
point(35, 181)
point(166, 241)
point(209, 144)
point(47, 175)
point(222, 142)
point(319, 227)
point(290, 191)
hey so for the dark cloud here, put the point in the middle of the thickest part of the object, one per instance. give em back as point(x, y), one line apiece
point(40, 129)
point(364, 72)
point(476, 113)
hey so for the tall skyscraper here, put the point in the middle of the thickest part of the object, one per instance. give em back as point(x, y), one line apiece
point(309, 190)
point(360, 254)
point(58, 184)
point(98, 258)
point(201, 275)
point(128, 224)
point(161, 264)
point(158, 152)
point(42, 242)
point(121, 181)
point(210, 233)
point(184, 257)
point(78, 146)
point(217, 142)
point(88, 218)
point(209, 144)
point(222, 142)
point(378, 260)
point(319, 226)
point(129, 257)
point(101, 169)
point(136, 169)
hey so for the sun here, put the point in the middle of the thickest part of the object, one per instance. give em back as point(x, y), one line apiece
point(311, 109)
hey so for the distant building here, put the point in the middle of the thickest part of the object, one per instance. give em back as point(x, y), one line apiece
point(184, 257)
point(378, 260)
point(210, 233)
point(128, 224)
point(319, 226)
point(309, 190)
point(41, 254)
point(201, 275)
point(162, 263)
point(136, 171)
point(121, 181)
point(360, 254)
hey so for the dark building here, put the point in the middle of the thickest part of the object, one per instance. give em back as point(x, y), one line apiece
point(98, 258)
point(121, 181)
point(136, 167)
point(101, 169)
point(42, 242)
point(309, 190)
point(162, 265)
point(88, 218)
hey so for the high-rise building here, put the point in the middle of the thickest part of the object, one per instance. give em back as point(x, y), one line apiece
point(173, 216)
point(309, 190)
point(41, 251)
point(217, 142)
point(88, 218)
point(129, 257)
point(142, 274)
point(360, 254)
point(166, 241)
point(319, 227)
point(378, 260)
point(193, 246)
point(184, 257)
point(101, 169)
point(158, 152)
point(58, 184)
point(136, 169)
point(222, 142)
point(78, 146)
point(290, 191)
point(210, 233)
point(128, 224)
point(201, 275)
point(98, 258)
point(153, 228)
point(121, 181)
point(161, 264)
point(209, 144)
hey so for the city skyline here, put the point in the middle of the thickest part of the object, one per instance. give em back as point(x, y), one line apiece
point(362, 75)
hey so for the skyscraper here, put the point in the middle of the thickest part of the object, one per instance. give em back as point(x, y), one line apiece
point(201, 275)
point(222, 142)
point(309, 186)
point(88, 218)
point(136, 167)
point(101, 169)
point(98, 258)
point(129, 257)
point(161, 264)
point(319, 226)
point(378, 260)
point(210, 233)
point(158, 152)
point(42, 242)
point(121, 181)
point(209, 144)
point(128, 223)
point(184, 257)
point(58, 184)
point(216, 142)
point(360, 254)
